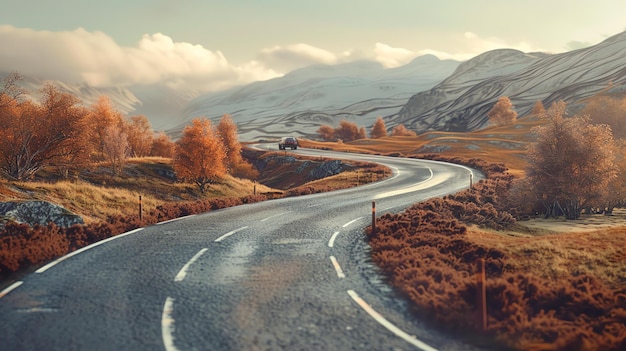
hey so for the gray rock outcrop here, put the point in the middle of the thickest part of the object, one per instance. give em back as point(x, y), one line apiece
point(37, 212)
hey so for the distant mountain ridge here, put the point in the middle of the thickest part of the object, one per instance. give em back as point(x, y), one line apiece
point(461, 102)
point(426, 94)
point(299, 102)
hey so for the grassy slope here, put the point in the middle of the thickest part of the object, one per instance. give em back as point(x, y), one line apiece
point(98, 194)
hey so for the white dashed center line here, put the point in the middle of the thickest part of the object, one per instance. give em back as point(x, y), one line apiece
point(167, 325)
point(337, 267)
point(229, 234)
point(352, 221)
point(183, 272)
point(331, 242)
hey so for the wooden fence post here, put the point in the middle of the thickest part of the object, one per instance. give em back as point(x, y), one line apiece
point(373, 217)
point(140, 211)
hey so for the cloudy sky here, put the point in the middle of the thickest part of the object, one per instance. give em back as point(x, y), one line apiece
point(211, 45)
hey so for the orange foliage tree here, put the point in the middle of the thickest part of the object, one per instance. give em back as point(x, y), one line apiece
point(608, 110)
point(102, 116)
point(326, 132)
point(35, 136)
point(199, 155)
point(400, 130)
point(140, 136)
point(572, 162)
point(162, 146)
point(538, 108)
point(349, 131)
point(502, 113)
point(227, 132)
point(378, 129)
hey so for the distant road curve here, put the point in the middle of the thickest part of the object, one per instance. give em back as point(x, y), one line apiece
point(285, 274)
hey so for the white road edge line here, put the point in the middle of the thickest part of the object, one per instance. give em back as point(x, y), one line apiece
point(176, 219)
point(183, 272)
point(337, 267)
point(390, 326)
point(63, 258)
point(280, 214)
point(352, 221)
point(331, 242)
point(229, 234)
point(167, 325)
point(10, 288)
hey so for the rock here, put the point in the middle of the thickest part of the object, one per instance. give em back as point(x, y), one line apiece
point(38, 212)
point(327, 169)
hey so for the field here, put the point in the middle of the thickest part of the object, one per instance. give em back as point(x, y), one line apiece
point(551, 284)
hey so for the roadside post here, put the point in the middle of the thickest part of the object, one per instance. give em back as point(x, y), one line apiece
point(373, 217)
point(140, 211)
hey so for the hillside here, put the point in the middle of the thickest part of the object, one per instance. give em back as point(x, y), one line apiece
point(461, 101)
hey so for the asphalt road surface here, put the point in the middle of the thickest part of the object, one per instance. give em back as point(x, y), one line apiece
point(287, 274)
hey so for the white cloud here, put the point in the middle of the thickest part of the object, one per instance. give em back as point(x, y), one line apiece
point(288, 58)
point(95, 58)
point(393, 57)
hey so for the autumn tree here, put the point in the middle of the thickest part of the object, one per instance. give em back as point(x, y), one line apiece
point(378, 129)
point(616, 191)
point(326, 132)
point(502, 113)
point(139, 135)
point(10, 90)
point(34, 136)
point(349, 131)
point(538, 108)
point(162, 146)
point(115, 147)
point(400, 130)
point(361, 134)
point(608, 110)
point(102, 116)
point(227, 132)
point(199, 155)
point(571, 163)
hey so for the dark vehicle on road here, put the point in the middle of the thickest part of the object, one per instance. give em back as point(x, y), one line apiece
point(288, 142)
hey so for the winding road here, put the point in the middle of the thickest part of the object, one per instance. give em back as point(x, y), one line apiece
point(286, 274)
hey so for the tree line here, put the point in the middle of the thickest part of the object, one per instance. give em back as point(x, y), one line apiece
point(58, 133)
point(349, 131)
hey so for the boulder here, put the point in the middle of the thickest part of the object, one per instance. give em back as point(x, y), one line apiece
point(38, 212)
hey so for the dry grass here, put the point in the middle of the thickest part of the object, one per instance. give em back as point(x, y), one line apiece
point(493, 144)
point(99, 194)
point(555, 257)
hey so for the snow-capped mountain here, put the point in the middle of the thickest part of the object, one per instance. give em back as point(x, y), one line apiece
point(426, 94)
point(461, 102)
point(299, 102)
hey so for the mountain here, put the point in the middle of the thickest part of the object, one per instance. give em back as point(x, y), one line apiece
point(461, 102)
point(299, 102)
